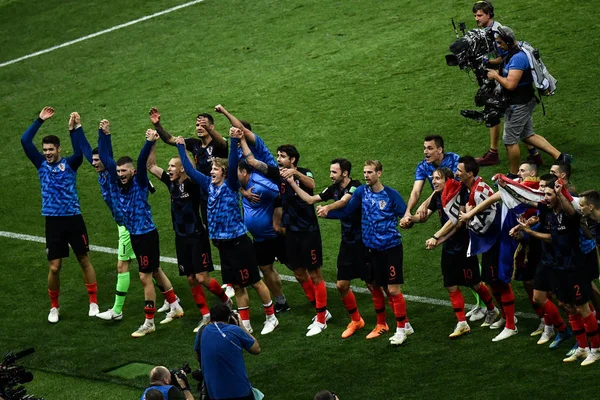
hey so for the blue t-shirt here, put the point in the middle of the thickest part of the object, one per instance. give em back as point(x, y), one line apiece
point(519, 62)
point(57, 180)
point(425, 170)
point(380, 213)
point(259, 149)
point(221, 347)
point(258, 217)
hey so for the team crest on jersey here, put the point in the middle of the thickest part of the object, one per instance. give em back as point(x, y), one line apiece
point(209, 150)
point(61, 166)
point(382, 204)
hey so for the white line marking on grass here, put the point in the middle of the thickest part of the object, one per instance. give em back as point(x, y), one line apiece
point(93, 35)
point(287, 278)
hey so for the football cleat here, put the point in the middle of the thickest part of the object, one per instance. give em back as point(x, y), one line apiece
point(593, 356)
point(171, 315)
point(462, 328)
point(110, 315)
point(398, 338)
point(229, 291)
point(408, 329)
point(205, 321)
point(578, 353)
point(281, 308)
point(144, 330)
point(490, 317)
point(561, 337)
point(546, 335)
point(540, 329)
point(352, 327)
point(316, 329)
point(270, 324)
point(54, 315)
point(378, 331)
point(505, 334)
point(476, 314)
point(94, 310)
point(314, 320)
point(500, 323)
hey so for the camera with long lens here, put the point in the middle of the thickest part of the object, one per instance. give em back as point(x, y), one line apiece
point(13, 376)
point(469, 53)
point(181, 374)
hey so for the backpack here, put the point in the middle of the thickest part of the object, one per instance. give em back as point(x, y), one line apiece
point(542, 79)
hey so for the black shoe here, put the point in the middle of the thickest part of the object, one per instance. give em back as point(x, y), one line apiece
point(280, 308)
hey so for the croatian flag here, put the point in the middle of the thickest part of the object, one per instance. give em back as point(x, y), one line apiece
point(514, 193)
point(450, 199)
point(484, 228)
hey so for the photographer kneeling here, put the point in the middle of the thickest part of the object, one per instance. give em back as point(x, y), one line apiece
point(160, 380)
point(221, 346)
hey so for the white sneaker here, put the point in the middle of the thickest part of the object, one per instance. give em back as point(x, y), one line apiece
point(500, 323)
point(490, 317)
point(399, 337)
point(94, 310)
point(579, 353)
point(54, 315)
point(314, 320)
point(229, 303)
point(408, 329)
point(248, 326)
point(165, 307)
point(546, 335)
point(540, 329)
point(229, 291)
point(462, 328)
point(143, 330)
point(205, 321)
point(592, 357)
point(505, 334)
point(270, 324)
point(317, 328)
point(171, 315)
point(110, 315)
point(476, 314)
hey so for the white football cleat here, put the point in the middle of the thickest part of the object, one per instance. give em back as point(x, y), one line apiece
point(317, 328)
point(505, 334)
point(591, 358)
point(477, 313)
point(540, 329)
point(110, 315)
point(546, 335)
point(229, 291)
point(314, 320)
point(144, 330)
point(408, 329)
point(270, 324)
point(462, 328)
point(94, 310)
point(205, 321)
point(490, 317)
point(54, 315)
point(165, 307)
point(579, 353)
point(398, 338)
point(171, 315)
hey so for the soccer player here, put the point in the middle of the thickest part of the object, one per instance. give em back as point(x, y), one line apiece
point(60, 207)
point(109, 194)
point(132, 202)
point(191, 238)
point(457, 268)
point(228, 232)
point(351, 263)
point(381, 208)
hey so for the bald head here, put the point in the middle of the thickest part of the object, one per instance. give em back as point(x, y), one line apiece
point(160, 375)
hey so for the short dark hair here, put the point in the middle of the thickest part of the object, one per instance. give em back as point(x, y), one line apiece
point(549, 179)
point(207, 116)
point(154, 394)
point(532, 165)
point(564, 168)
point(51, 139)
point(345, 165)
point(246, 124)
point(470, 164)
point(124, 160)
point(220, 313)
point(95, 150)
point(243, 166)
point(439, 141)
point(324, 395)
point(484, 6)
point(592, 197)
point(445, 172)
point(291, 151)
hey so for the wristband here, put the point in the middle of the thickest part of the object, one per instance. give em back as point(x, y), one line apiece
point(435, 237)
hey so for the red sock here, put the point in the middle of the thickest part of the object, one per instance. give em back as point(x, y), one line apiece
point(215, 289)
point(486, 296)
point(54, 297)
point(309, 290)
point(399, 310)
point(576, 323)
point(170, 296)
point(591, 329)
point(92, 288)
point(244, 313)
point(269, 309)
point(150, 309)
point(458, 304)
point(350, 303)
point(379, 304)
point(321, 301)
point(508, 304)
point(200, 299)
point(553, 315)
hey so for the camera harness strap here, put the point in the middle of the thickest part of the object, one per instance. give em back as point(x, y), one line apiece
point(225, 336)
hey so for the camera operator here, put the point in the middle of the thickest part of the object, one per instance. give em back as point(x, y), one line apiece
point(517, 85)
point(160, 379)
point(221, 346)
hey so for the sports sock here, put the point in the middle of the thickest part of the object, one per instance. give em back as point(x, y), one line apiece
point(508, 304)
point(309, 290)
point(92, 288)
point(551, 312)
point(379, 304)
point(591, 329)
point(578, 328)
point(53, 294)
point(216, 289)
point(200, 299)
point(170, 296)
point(150, 310)
point(321, 301)
point(280, 299)
point(486, 296)
point(269, 309)
point(244, 313)
point(458, 304)
point(399, 310)
point(350, 303)
point(123, 280)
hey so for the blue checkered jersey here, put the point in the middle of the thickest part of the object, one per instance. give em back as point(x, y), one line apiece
point(351, 225)
point(425, 170)
point(225, 219)
point(260, 151)
point(57, 180)
point(185, 203)
point(380, 213)
point(132, 198)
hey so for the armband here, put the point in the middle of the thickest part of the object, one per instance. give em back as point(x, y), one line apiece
point(435, 237)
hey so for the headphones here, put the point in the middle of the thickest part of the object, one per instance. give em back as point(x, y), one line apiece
point(505, 36)
point(491, 7)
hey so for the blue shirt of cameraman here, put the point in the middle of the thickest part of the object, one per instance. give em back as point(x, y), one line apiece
point(520, 62)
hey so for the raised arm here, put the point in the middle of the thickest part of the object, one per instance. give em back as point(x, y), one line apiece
point(236, 123)
point(151, 162)
point(164, 135)
point(141, 175)
point(232, 178)
point(105, 153)
point(76, 131)
point(251, 160)
point(31, 152)
point(189, 168)
point(80, 140)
